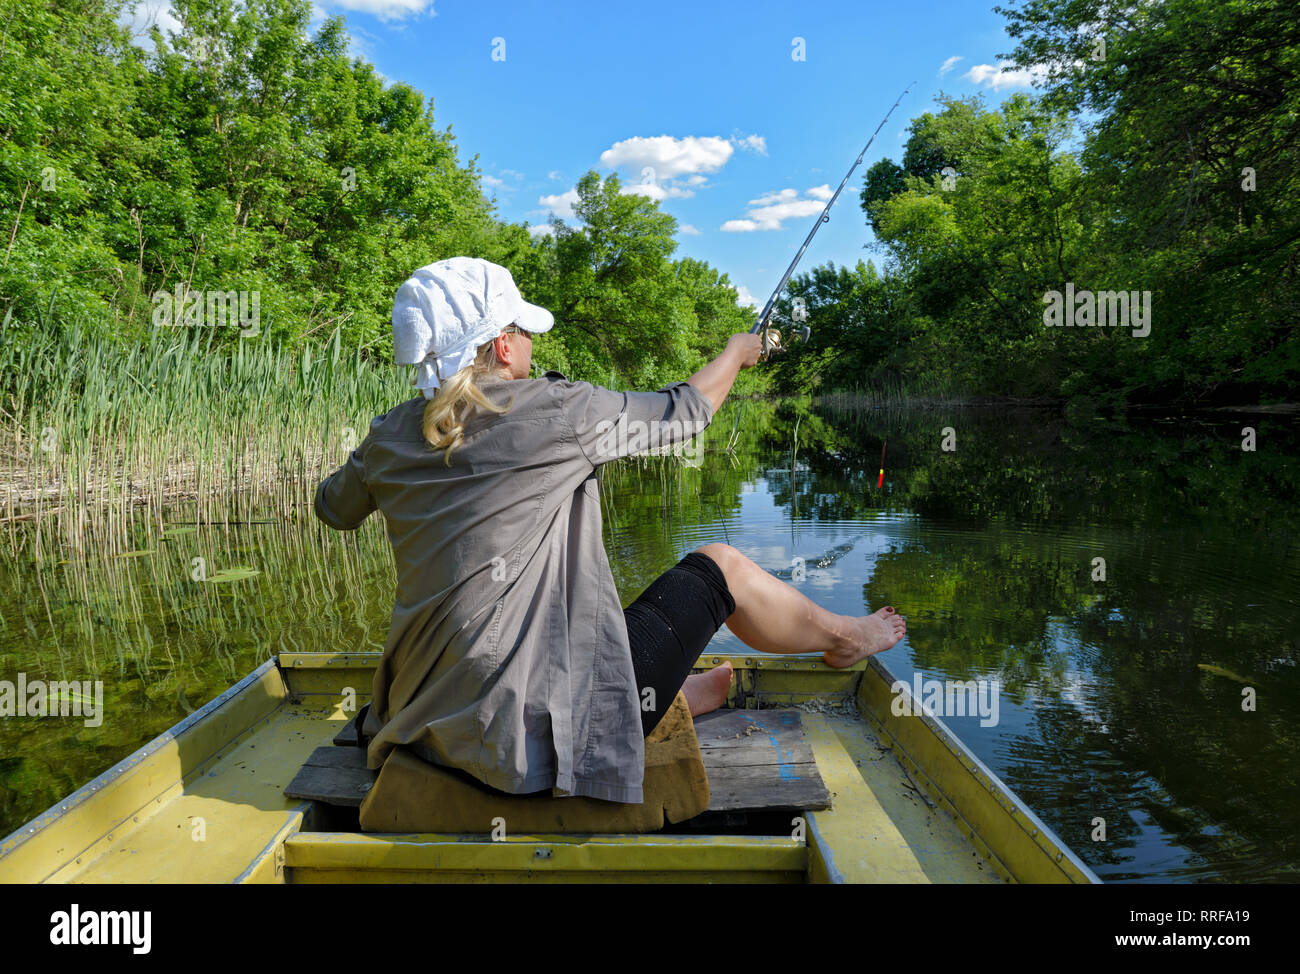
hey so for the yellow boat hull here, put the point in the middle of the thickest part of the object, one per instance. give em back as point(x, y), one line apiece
point(204, 802)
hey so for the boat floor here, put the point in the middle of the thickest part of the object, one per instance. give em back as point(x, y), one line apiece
point(229, 820)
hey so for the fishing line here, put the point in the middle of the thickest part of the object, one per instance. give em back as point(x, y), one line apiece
point(763, 325)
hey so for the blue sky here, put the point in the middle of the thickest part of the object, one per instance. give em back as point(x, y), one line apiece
point(702, 106)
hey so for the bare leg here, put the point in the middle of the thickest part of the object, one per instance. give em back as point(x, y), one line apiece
point(774, 617)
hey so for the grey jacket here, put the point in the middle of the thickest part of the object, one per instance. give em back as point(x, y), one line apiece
point(508, 655)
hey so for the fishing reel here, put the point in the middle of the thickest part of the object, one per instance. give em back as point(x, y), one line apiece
point(774, 344)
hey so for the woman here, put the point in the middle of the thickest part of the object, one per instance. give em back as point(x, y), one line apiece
point(508, 655)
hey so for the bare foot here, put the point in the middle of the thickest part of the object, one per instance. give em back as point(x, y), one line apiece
point(871, 634)
point(706, 692)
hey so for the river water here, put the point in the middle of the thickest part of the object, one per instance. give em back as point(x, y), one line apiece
point(1131, 590)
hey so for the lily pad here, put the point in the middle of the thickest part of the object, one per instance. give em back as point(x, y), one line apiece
point(1221, 671)
point(237, 574)
point(177, 532)
point(136, 554)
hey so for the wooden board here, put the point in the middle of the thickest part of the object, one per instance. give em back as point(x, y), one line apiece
point(759, 760)
point(334, 775)
point(756, 760)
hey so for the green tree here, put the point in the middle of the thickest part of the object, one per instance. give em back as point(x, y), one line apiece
point(1194, 170)
point(628, 313)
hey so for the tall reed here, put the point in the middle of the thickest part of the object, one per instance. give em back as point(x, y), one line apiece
point(98, 434)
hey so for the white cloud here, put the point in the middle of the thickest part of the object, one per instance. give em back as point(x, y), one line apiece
point(669, 157)
point(562, 204)
point(769, 211)
point(554, 174)
point(780, 196)
point(988, 76)
point(145, 15)
point(751, 143)
point(689, 230)
point(743, 297)
point(509, 184)
point(664, 167)
point(385, 9)
point(822, 192)
point(949, 64)
point(656, 191)
point(362, 43)
point(541, 230)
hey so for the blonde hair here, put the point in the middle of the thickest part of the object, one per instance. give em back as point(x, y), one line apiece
point(444, 416)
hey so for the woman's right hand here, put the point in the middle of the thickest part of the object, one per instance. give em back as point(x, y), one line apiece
point(747, 347)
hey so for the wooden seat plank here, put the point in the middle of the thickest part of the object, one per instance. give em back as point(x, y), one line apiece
point(756, 760)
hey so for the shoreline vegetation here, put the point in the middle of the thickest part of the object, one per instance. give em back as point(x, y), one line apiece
point(94, 437)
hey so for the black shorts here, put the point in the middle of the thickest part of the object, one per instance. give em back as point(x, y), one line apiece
point(668, 627)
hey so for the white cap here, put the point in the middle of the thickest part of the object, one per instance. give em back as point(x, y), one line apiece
point(446, 310)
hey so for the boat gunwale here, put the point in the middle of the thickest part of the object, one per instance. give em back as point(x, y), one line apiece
point(64, 807)
point(1002, 793)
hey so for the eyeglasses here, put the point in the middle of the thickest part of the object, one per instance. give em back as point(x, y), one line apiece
point(515, 329)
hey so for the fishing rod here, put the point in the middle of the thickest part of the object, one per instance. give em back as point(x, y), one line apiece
point(763, 324)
